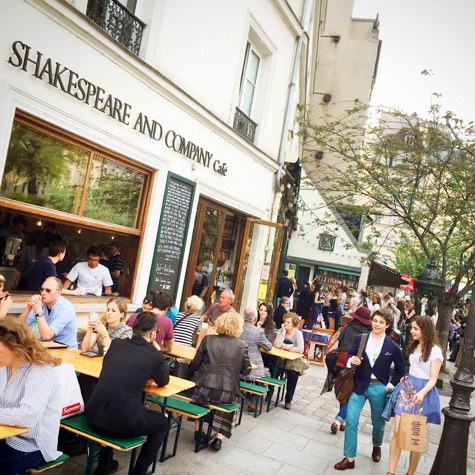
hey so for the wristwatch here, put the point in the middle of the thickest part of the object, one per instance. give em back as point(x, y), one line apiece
point(40, 314)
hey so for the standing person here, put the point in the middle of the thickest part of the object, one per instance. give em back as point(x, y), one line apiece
point(360, 324)
point(116, 408)
point(201, 284)
point(281, 310)
point(219, 361)
point(326, 306)
point(341, 302)
point(117, 265)
point(371, 382)
point(334, 308)
point(304, 303)
point(188, 323)
point(375, 303)
point(353, 302)
point(285, 288)
point(30, 397)
point(390, 304)
point(292, 297)
point(364, 301)
point(91, 276)
point(418, 389)
point(290, 338)
point(55, 316)
point(225, 305)
point(34, 250)
point(317, 302)
point(266, 321)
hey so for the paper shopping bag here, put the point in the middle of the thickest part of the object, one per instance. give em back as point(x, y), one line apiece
point(204, 331)
point(412, 432)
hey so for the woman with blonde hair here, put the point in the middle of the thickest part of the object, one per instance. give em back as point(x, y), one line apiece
point(188, 323)
point(101, 331)
point(219, 361)
point(30, 397)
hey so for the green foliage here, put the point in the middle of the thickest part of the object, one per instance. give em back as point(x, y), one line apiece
point(419, 172)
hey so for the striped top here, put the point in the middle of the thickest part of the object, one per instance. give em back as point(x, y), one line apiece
point(186, 325)
point(32, 399)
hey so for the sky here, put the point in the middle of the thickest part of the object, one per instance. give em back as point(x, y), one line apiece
point(419, 35)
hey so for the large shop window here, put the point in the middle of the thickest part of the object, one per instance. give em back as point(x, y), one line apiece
point(90, 194)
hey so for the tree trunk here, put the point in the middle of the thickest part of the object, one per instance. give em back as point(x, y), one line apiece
point(443, 323)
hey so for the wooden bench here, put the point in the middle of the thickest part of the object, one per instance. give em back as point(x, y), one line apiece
point(43, 466)
point(258, 391)
point(79, 425)
point(273, 383)
point(176, 409)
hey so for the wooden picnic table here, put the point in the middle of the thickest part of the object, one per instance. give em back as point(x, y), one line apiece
point(182, 351)
point(285, 354)
point(10, 431)
point(93, 366)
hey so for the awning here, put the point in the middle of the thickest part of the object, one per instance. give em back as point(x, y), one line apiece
point(380, 274)
point(341, 271)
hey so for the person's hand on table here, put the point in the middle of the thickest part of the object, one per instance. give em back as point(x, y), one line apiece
point(149, 383)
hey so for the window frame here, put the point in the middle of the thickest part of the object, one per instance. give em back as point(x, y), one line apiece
point(250, 48)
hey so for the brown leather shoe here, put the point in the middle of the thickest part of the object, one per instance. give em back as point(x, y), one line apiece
point(334, 428)
point(343, 427)
point(376, 453)
point(344, 464)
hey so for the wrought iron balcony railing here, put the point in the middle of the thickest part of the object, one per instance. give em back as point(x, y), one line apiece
point(244, 125)
point(118, 22)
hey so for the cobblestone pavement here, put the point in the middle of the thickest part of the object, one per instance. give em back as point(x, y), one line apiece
point(291, 442)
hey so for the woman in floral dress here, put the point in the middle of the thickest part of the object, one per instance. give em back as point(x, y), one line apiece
point(418, 394)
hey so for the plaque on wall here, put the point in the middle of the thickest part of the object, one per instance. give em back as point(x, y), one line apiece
point(171, 235)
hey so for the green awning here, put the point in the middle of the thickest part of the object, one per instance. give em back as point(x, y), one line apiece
point(341, 271)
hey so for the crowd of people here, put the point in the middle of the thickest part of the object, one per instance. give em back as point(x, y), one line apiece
point(231, 354)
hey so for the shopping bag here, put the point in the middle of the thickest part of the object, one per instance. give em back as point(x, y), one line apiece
point(181, 368)
point(412, 432)
point(72, 402)
point(205, 330)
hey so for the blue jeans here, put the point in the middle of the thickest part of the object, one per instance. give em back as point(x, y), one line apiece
point(341, 416)
point(376, 393)
point(13, 461)
point(316, 310)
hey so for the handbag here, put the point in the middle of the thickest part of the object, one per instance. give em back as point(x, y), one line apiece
point(72, 402)
point(342, 359)
point(394, 336)
point(412, 432)
point(300, 365)
point(344, 383)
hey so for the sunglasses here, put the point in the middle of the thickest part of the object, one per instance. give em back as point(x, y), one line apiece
point(147, 302)
point(44, 289)
point(4, 330)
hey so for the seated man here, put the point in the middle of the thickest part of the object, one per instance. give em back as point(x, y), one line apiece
point(55, 316)
point(90, 275)
point(158, 303)
point(226, 300)
point(116, 407)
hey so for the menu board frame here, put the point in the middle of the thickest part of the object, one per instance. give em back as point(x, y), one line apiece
point(171, 176)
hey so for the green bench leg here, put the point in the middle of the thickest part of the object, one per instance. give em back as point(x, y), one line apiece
point(91, 450)
point(199, 444)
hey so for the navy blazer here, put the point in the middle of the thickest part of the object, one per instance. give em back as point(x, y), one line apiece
point(390, 353)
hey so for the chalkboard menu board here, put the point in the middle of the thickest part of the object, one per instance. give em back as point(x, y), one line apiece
point(171, 236)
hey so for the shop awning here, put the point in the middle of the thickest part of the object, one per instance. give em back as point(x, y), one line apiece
point(380, 274)
point(341, 271)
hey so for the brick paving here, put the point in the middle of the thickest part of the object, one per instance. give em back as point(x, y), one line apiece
point(290, 442)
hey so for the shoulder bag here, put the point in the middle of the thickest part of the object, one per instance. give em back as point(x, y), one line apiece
point(345, 380)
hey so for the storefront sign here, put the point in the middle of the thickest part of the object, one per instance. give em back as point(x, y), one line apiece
point(69, 82)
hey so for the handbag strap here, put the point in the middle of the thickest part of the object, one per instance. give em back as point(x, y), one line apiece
point(364, 339)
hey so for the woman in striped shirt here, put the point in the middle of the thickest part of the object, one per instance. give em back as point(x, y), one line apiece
point(29, 397)
point(188, 323)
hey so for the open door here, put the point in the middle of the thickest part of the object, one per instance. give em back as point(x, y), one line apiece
point(259, 261)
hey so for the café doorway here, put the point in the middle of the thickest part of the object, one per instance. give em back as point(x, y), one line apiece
point(215, 252)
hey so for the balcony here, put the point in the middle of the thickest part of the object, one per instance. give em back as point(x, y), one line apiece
point(244, 125)
point(118, 22)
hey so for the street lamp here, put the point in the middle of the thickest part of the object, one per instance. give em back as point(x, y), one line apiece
point(452, 452)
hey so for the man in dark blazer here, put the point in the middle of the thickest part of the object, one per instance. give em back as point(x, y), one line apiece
point(116, 408)
point(371, 382)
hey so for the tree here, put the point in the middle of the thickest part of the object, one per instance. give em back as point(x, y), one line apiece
point(421, 172)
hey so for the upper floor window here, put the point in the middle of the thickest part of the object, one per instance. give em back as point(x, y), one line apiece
point(250, 72)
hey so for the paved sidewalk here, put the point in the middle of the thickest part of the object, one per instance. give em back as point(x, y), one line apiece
point(290, 442)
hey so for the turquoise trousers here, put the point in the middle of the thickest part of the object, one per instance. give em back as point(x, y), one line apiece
point(376, 393)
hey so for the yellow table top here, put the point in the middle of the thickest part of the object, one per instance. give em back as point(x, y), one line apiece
point(182, 351)
point(285, 354)
point(93, 366)
point(9, 431)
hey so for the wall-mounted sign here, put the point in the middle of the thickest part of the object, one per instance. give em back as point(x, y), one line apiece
point(83, 90)
point(171, 235)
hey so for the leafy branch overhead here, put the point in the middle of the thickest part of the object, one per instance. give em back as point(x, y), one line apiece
point(420, 172)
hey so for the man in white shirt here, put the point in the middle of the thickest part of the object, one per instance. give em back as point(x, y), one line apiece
point(90, 275)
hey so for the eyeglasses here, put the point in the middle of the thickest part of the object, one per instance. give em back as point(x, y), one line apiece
point(147, 302)
point(44, 289)
point(4, 330)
